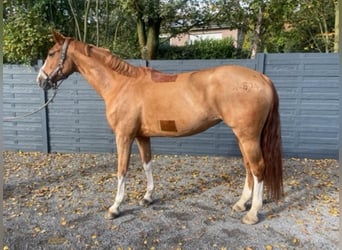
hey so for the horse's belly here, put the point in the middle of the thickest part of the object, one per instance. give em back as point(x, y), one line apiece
point(176, 127)
point(178, 110)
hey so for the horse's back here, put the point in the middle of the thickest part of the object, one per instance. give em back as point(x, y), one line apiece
point(230, 83)
point(230, 75)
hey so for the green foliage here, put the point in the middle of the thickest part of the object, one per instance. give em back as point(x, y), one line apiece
point(25, 37)
point(124, 45)
point(313, 26)
point(294, 25)
point(286, 26)
point(202, 49)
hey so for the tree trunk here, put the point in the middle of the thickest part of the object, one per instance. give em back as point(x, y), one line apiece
point(148, 37)
point(148, 30)
point(240, 38)
point(78, 32)
point(256, 40)
point(97, 23)
point(141, 37)
point(152, 42)
point(337, 27)
point(85, 23)
point(106, 22)
point(325, 35)
point(116, 34)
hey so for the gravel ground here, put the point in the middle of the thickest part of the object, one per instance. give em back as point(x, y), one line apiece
point(57, 201)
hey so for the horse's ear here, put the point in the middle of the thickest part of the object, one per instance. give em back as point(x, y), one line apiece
point(87, 49)
point(58, 37)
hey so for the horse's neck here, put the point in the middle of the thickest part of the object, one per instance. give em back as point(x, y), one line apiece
point(100, 77)
point(102, 70)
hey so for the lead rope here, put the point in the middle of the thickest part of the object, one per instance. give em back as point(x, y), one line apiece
point(5, 119)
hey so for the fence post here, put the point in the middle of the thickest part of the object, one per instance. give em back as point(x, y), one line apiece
point(45, 120)
point(260, 62)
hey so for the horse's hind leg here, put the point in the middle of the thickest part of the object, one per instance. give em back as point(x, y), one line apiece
point(240, 206)
point(255, 168)
point(144, 146)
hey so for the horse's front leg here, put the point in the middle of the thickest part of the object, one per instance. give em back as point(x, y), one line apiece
point(123, 144)
point(144, 146)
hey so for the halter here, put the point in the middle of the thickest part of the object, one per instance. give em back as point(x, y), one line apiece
point(48, 78)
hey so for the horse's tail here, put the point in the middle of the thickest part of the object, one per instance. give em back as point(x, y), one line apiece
point(271, 147)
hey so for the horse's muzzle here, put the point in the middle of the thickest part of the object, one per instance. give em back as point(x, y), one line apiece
point(45, 81)
point(45, 84)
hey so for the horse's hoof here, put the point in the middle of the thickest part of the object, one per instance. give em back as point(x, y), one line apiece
point(238, 208)
point(249, 219)
point(111, 216)
point(145, 202)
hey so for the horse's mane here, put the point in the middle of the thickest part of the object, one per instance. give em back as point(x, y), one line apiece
point(105, 57)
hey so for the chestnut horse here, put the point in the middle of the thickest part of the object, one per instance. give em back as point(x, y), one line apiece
point(141, 103)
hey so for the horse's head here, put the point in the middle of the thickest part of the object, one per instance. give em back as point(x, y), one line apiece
point(57, 64)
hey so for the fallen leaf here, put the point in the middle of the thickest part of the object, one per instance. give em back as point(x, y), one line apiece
point(295, 241)
point(37, 229)
point(268, 247)
point(63, 221)
point(249, 248)
point(334, 211)
point(57, 240)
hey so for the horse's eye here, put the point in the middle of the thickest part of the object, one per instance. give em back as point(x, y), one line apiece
point(51, 54)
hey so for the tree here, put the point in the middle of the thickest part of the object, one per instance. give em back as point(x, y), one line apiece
point(289, 25)
point(258, 8)
point(25, 34)
point(309, 26)
point(316, 20)
point(132, 28)
point(89, 15)
point(170, 17)
point(261, 23)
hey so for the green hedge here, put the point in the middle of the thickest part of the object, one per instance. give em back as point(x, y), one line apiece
point(202, 49)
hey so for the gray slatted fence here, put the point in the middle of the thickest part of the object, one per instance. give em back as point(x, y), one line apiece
point(308, 86)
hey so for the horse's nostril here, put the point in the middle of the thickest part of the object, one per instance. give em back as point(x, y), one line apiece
point(40, 83)
point(44, 84)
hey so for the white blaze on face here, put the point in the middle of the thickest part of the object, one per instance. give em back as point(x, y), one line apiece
point(41, 74)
